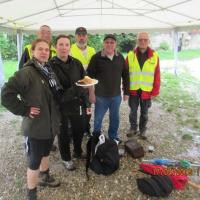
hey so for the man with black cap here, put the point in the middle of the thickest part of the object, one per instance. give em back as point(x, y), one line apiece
point(108, 67)
point(81, 51)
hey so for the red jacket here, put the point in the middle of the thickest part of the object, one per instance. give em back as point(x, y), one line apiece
point(156, 84)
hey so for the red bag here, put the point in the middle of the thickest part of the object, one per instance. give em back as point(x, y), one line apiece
point(152, 169)
point(179, 182)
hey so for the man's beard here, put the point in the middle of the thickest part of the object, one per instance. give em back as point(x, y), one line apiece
point(81, 44)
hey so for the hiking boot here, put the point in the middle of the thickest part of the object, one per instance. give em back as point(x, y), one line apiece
point(132, 133)
point(32, 194)
point(80, 156)
point(143, 135)
point(69, 165)
point(45, 179)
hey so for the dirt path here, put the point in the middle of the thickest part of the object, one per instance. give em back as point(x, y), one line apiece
point(163, 134)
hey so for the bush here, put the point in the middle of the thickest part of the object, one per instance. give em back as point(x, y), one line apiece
point(8, 43)
point(126, 42)
point(164, 46)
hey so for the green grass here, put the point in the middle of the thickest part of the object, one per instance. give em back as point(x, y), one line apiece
point(9, 68)
point(2, 109)
point(183, 55)
point(187, 136)
point(165, 55)
point(176, 98)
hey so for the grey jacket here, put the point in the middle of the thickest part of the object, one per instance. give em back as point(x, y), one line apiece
point(28, 88)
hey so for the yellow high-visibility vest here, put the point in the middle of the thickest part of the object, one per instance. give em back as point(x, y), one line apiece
point(52, 51)
point(142, 79)
point(78, 54)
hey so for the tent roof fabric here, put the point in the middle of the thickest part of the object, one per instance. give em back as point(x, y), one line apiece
point(99, 15)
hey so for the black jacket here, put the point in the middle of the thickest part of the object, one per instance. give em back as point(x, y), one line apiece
point(68, 73)
point(109, 74)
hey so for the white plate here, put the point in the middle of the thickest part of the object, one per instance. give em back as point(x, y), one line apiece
point(95, 81)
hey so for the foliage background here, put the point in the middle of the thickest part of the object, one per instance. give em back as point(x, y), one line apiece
point(8, 43)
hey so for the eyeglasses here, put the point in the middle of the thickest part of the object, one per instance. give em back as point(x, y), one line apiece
point(143, 40)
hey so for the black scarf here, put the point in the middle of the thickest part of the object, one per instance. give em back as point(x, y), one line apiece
point(48, 74)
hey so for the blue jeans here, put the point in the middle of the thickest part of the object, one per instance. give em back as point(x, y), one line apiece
point(101, 106)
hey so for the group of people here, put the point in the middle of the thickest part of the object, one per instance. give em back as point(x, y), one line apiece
point(45, 93)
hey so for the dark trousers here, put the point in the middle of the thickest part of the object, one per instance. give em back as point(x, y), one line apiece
point(64, 137)
point(134, 102)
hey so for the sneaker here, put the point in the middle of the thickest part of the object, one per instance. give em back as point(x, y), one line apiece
point(132, 133)
point(32, 194)
point(81, 156)
point(69, 165)
point(121, 152)
point(45, 179)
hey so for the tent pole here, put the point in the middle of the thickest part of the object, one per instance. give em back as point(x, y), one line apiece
point(2, 77)
point(175, 48)
point(19, 44)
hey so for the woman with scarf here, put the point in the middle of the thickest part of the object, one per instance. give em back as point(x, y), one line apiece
point(32, 93)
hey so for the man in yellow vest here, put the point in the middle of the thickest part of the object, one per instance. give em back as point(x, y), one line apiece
point(81, 51)
point(43, 33)
point(144, 72)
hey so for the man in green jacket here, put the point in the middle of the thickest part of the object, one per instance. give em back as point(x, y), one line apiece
point(31, 93)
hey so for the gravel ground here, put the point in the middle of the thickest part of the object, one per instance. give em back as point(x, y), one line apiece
point(163, 134)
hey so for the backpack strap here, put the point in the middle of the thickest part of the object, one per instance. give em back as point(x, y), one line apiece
point(88, 156)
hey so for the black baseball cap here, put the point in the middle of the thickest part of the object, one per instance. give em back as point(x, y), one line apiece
point(81, 30)
point(109, 36)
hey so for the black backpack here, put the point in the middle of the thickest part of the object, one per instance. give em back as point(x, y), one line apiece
point(106, 159)
point(158, 186)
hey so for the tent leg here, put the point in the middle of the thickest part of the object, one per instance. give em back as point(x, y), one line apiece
point(19, 44)
point(175, 45)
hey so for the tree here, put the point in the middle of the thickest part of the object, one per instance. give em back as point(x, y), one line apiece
point(8, 46)
point(27, 39)
point(95, 41)
point(126, 42)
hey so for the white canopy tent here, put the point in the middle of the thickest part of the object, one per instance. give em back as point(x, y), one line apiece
point(99, 16)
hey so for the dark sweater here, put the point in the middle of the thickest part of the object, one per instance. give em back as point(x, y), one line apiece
point(142, 57)
point(68, 73)
point(109, 73)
